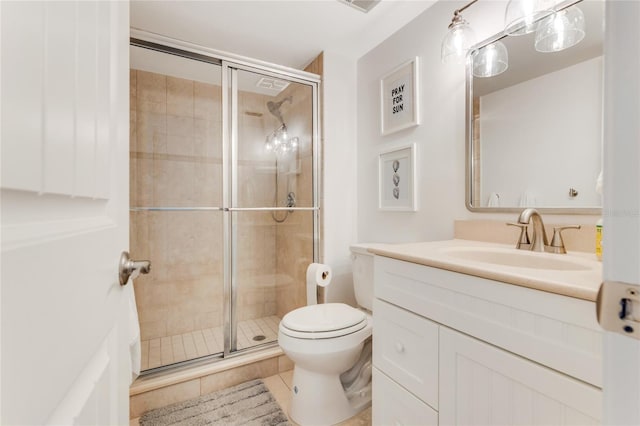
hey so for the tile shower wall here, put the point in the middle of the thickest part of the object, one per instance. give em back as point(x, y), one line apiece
point(176, 161)
point(293, 236)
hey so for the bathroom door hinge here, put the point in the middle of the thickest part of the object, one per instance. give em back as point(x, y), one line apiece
point(618, 308)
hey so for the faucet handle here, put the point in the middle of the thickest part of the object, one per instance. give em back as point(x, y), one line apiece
point(557, 243)
point(523, 241)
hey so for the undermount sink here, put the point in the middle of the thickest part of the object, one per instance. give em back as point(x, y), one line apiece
point(517, 258)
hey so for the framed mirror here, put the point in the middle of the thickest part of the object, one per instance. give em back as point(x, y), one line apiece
point(534, 131)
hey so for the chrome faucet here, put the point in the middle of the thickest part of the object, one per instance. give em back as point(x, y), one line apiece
point(532, 215)
point(538, 243)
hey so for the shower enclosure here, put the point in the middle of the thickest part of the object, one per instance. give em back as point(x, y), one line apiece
point(223, 200)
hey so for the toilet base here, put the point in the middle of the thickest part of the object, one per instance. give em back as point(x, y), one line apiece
point(310, 407)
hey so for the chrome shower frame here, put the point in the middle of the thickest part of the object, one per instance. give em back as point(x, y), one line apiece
point(230, 64)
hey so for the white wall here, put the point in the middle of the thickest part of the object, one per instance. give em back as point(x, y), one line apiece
point(339, 201)
point(554, 137)
point(440, 138)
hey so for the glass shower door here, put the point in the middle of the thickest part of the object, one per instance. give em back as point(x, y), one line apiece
point(272, 197)
point(176, 205)
point(223, 201)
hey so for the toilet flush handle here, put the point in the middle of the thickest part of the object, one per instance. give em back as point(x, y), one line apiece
point(399, 347)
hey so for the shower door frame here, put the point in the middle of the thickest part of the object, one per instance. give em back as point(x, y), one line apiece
point(230, 131)
point(230, 64)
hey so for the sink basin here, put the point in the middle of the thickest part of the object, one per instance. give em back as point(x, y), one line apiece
point(517, 258)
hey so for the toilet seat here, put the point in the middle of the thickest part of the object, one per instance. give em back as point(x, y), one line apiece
point(323, 321)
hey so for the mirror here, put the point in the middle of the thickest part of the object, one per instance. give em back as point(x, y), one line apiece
point(534, 132)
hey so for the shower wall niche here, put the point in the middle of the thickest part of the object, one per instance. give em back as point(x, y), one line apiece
point(207, 201)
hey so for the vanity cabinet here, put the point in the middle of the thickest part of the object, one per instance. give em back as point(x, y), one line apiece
point(454, 349)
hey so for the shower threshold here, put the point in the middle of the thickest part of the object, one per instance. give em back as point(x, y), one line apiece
point(168, 350)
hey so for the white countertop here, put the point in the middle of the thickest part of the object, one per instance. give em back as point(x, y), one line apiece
point(581, 284)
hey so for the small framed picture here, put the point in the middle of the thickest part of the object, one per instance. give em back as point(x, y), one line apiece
point(396, 179)
point(399, 98)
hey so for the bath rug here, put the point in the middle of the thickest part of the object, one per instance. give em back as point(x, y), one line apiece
point(248, 403)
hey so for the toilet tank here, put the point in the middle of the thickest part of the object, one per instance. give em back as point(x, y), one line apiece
point(362, 266)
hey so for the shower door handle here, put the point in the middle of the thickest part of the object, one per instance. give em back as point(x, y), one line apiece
point(128, 268)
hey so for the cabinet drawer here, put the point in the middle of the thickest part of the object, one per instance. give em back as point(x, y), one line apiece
point(393, 405)
point(405, 347)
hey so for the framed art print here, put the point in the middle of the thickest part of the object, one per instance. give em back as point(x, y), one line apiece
point(396, 179)
point(399, 100)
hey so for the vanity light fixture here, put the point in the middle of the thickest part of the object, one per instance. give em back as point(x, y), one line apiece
point(561, 30)
point(521, 16)
point(459, 38)
point(490, 60)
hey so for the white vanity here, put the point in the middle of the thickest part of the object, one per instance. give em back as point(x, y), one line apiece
point(472, 333)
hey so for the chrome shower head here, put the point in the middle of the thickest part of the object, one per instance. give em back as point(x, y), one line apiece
point(274, 107)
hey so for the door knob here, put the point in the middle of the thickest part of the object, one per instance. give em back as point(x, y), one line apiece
point(131, 268)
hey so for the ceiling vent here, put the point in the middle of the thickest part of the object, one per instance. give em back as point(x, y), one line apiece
point(272, 84)
point(361, 5)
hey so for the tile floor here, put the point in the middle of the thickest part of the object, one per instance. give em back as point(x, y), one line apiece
point(280, 387)
point(171, 349)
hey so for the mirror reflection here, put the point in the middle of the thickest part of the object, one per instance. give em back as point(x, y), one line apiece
point(534, 112)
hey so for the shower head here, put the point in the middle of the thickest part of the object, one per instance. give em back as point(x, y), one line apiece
point(274, 107)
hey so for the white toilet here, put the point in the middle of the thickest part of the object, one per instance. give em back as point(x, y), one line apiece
point(330, 347)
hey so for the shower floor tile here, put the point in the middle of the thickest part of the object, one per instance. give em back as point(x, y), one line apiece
point(181, 347)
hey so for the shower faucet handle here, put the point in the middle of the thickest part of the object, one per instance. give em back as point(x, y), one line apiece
point(291, 199)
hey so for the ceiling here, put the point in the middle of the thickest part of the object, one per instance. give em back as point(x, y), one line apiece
point(285, 32)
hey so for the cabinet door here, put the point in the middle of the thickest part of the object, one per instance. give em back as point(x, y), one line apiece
point(394, 405)
point(483, 385)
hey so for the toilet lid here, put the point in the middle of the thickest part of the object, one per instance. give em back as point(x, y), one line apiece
point(323, 317)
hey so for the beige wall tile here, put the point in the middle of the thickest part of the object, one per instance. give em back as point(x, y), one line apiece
point(287, 378)
point(151, 87)
point(178, 325)
point(284, 364)
point(141, 403)
point(232, 377)
point(152, 329)
point(149, 127)
point(180, 99)
point(207, 101)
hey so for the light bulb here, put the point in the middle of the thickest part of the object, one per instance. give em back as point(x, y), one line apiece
point(457, 42)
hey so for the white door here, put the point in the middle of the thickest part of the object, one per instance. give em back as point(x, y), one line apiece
point(622, 201)
point(65, 122)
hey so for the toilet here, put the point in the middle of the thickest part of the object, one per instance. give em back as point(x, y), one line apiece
point(330, 346)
